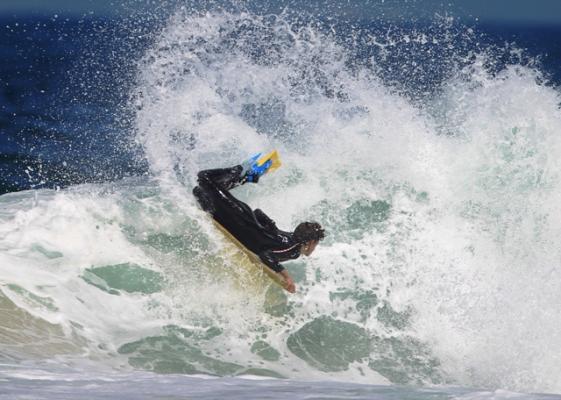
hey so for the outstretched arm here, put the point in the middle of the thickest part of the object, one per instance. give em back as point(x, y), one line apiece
point(269, 259)
point(290, 286)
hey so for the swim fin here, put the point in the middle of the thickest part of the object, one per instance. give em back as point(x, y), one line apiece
point(258, 166)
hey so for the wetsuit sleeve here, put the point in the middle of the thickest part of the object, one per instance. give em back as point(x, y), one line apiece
point(264, 220)
point(270, 261)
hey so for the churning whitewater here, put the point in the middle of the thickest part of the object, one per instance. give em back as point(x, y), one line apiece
point(441, 260)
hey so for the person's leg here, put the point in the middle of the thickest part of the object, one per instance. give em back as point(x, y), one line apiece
point(204, 199)
point(222, 178)
point(213, 191)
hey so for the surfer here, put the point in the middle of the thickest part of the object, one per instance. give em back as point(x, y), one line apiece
point(253, 228)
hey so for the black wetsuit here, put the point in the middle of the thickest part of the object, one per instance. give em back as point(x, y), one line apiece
point(254, 229)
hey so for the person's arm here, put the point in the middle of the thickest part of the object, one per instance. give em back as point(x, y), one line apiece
point(290, 286)
point(270, 261)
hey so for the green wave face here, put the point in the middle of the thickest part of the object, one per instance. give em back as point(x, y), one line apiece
point(125, 277)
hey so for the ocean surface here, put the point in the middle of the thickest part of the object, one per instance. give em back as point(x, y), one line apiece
point(429, 149)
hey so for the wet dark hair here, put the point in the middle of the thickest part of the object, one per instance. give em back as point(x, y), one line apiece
point(307, 231)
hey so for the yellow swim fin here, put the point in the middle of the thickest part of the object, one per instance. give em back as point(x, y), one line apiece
point(274, 157)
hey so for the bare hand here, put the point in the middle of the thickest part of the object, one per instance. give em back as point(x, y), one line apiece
point(290, 286)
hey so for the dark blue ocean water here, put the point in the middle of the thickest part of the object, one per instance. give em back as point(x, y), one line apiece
point(65, 85)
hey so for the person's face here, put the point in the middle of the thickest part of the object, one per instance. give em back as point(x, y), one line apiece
point(309, 247)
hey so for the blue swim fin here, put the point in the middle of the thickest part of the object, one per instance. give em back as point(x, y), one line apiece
point(258, 165)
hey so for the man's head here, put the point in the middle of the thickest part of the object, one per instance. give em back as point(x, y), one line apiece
point(308, 234)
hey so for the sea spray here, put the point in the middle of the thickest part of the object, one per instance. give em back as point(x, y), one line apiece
point(425, 199)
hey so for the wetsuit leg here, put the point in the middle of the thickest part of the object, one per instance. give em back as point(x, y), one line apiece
point(223, 178)
point(204, 200)
point(213, 191)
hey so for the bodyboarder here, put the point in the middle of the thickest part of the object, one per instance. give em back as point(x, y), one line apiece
point(253, 228)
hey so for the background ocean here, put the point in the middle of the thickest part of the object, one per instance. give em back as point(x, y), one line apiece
point(429, 148)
